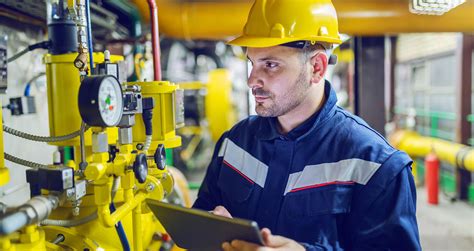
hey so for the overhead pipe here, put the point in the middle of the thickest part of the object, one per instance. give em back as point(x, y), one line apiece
point(415, 145)
point(155, 39)
point(223, 19)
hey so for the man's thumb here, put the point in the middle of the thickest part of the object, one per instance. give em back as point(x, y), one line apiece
point(272, 240)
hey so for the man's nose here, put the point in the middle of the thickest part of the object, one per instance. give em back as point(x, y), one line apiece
point(254, 80)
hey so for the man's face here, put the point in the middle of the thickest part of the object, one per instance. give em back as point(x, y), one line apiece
point(279, 79)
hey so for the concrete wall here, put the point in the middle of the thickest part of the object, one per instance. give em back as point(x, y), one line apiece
point(19, 73)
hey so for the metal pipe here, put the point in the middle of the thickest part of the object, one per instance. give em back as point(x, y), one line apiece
point(83, 163)
point(70, 223)
point(155, 39)
point(35, 210)
point(59, 238)
point(81, 22)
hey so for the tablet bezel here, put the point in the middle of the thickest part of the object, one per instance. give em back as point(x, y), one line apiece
point(191, 227)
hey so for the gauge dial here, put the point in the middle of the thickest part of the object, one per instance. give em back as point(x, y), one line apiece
point(110, 101)
point(101, 101)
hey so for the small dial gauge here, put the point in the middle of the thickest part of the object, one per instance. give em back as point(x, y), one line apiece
point(110, 100)
point(101, 101)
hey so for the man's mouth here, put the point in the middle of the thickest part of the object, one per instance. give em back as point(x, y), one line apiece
point(260, 95)
point(260, 99)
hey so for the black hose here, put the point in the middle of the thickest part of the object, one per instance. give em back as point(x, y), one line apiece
point(40, 45)
point(147, 118)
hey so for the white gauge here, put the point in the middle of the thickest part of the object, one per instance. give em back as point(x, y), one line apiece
point(101, 101)
point(110, 101)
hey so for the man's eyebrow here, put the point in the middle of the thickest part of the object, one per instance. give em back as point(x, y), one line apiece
point(265, 58)
point(269, 58)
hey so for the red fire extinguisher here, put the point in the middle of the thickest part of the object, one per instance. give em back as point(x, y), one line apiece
point(432, 178)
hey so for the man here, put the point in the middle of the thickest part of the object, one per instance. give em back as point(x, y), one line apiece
point(307, 171)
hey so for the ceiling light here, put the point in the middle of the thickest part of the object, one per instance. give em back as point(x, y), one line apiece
point(433, 7)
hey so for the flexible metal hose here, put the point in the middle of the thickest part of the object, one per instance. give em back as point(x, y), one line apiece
point(24, 162)
point(115, 186)
point(147, 142)
point(70, 223)
point(43, 138)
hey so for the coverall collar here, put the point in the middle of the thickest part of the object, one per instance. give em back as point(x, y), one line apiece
point(268, 129)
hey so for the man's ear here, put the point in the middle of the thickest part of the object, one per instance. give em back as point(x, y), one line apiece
point(319, 65)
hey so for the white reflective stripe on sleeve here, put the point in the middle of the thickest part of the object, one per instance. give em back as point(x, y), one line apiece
point(346, 171)
point(246, 164)
point(223, 147)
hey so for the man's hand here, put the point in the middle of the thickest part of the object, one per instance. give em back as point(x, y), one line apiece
point(272, 242)
point(222, 211)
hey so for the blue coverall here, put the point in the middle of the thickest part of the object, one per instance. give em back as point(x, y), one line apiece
point(332, 183)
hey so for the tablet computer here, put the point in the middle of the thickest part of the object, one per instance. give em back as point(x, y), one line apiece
point(196, 229)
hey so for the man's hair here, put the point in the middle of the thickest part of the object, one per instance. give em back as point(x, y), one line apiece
point(308, 50)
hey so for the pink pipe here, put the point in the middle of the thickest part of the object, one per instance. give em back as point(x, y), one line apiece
point(155, 39)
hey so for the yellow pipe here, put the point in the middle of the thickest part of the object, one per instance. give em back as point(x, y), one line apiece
point(103, 199)
point(4, 176)
point(197, 19)
point(137, 227)
point(382, 17)
point(109, 220)
point(419, 146)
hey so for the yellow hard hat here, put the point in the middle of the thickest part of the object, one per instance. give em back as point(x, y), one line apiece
point(275, 22)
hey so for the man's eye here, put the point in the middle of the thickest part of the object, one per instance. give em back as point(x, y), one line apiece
point(271, 65)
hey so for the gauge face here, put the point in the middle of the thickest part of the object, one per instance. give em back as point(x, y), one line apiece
point(110, 101)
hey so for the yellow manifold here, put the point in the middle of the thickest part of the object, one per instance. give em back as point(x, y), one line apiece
point(164, 123)
point(63, 88)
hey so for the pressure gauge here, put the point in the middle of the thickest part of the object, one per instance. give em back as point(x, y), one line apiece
point(101, 101)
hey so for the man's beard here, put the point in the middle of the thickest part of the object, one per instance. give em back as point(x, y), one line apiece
point(287, 101)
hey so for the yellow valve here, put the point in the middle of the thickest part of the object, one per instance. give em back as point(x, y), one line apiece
point(95, 171)
point(98, 168)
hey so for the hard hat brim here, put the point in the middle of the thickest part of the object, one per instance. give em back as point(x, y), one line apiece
point(259, 42)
